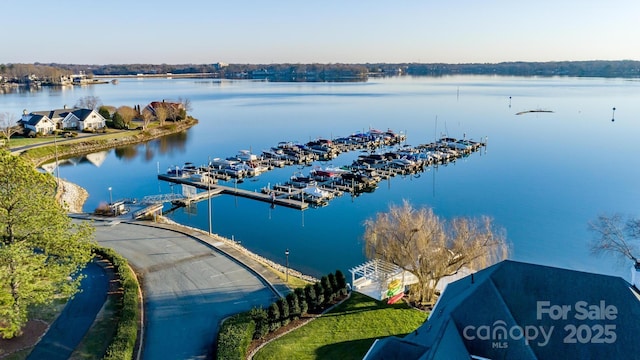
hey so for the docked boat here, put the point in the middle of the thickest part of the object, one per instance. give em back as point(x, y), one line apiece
point(300, 181)
point(246, 155)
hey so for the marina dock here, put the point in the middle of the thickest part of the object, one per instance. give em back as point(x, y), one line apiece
point(321, 185)
point(216, 189)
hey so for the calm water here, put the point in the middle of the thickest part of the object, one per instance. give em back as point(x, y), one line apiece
point(542, 177)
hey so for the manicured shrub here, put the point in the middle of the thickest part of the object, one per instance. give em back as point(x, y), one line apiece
point(261, 319)
point(302, 300)
point(319, 295)
point(294, 306)
point(123, 343)
point(274, 316)
point(283, 306)
point(341, 281)
point(327, 290)
point(333, 282)
point(311, 296)
point(235, 337)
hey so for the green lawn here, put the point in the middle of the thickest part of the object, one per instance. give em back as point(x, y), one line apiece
point(347, 332)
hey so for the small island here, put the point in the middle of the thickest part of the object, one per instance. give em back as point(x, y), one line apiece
point(534, 111)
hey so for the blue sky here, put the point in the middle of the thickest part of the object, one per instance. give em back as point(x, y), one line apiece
point(329, 31)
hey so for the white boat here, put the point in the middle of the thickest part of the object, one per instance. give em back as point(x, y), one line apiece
point(218, 163)
point(402, 163)
point(316, 193)
point(246, 155)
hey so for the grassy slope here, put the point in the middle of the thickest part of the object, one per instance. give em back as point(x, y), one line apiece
point(347, 332)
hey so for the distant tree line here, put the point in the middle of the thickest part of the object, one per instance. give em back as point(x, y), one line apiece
point(331, 72)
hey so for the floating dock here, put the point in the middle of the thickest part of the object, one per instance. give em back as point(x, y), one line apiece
point(215, 189)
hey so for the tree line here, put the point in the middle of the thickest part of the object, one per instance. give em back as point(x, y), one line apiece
point(330, 72)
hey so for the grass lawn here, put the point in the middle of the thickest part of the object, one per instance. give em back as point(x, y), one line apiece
point(346, 332)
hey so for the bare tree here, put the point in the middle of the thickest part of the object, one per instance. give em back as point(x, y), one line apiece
point(161, 114)
point(127, 113)
point(8, 125)
point(146, 116)
point(420, 242)
point(186, 104)
point(89, 102)
point(616, 235)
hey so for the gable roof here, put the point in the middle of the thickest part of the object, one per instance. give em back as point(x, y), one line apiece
point(567, 314)
point(35, 119)
point(54, 114)
point(82, 114)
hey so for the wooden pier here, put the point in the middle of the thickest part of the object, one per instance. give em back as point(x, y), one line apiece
point(215, 189)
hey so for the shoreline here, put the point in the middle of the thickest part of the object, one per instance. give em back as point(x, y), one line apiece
point(73, 197)
point(95, 143)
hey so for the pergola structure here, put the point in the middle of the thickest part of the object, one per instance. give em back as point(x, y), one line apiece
point(375, 278)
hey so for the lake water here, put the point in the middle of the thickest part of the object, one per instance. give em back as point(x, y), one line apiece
point(542, 176)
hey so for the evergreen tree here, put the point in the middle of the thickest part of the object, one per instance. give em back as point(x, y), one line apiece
point(40, 248)
point(274, 316)
point(327, 290)
point(294, 306)
point(302, 300)
point(311, 296)
point(261, 318)
point(104, 112)
point(342, 282)
point(118, 121)
point(283, 306)
point(333, 283)
point(319, 295)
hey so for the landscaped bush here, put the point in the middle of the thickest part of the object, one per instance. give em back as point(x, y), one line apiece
point(283, 306)
point(232, 343)
point(312, 297)
point(294, 306)
point(235, 337)
point(302, 300)
point(319, 295)
point(341, 281)
point(261, 319)
point(273, 314)
point(123, 343)
point(329, 295)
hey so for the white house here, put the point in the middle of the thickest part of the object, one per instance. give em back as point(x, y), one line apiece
point(65, 118)
point(40, 124)
point(83, 119)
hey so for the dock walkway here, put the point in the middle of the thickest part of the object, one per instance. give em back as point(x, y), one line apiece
point(215, 189)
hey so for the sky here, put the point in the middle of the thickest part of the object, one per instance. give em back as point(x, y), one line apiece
point(328, 31)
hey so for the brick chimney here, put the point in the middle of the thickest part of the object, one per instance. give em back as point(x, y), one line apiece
point(635, 275)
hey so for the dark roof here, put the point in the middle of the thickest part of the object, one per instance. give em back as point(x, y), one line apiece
point(471, 313)
point(52, 114)
point(35, 119)
point(82, 113)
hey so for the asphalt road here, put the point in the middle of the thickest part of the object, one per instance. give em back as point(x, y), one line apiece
point(76, 318)
point(189, 287)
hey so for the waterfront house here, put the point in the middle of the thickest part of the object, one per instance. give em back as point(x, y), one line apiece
point(515, 310)
point(38, 124)
point(65, 118)
point(173, 108)
point(83, 120)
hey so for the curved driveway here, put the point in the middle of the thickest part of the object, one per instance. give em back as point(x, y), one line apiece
point(189, 287)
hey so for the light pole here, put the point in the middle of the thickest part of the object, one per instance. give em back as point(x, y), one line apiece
point(286, 253)
point(110, 197)
point(209, 189)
